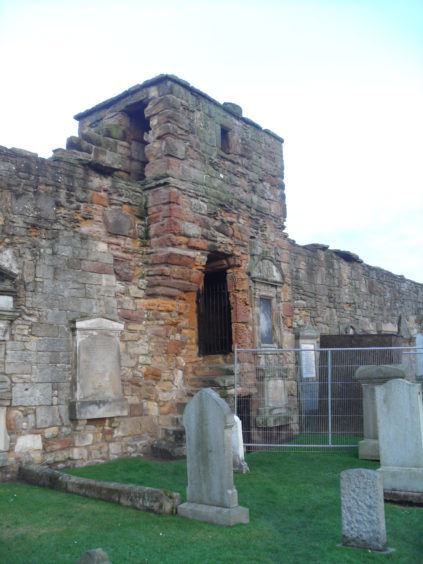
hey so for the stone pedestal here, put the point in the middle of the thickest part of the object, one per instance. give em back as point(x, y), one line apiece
point(370, 377)
point(211, 493)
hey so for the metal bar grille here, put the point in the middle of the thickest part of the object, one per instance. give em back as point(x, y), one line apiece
point(214, 315)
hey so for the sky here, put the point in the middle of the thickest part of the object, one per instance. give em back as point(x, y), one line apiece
point(340, 80)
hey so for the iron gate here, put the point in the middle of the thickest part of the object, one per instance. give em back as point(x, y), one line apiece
point(307, 398)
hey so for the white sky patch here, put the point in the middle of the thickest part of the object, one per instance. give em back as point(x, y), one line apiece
point(340, 81)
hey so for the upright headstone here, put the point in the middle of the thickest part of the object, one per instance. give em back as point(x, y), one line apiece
point(211, 494)
point(370, 377)
point(363, 511)
point(239, 463)
point(400, 423)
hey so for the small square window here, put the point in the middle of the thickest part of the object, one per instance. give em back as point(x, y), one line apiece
point(224, 140)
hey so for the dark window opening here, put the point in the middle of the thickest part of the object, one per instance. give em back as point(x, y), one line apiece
point(266, 324)
point(224, 140)
point(138, 139)
point(214, 315)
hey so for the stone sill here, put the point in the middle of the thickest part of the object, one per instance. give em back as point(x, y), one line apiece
point(96, 409)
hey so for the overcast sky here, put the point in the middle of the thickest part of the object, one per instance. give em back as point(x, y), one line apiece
point(340, 80)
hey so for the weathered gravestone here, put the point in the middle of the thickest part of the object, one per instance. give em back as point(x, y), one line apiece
point(400, 423)
point(239, 464)
point(363, 511)
point(211, 494)
point(370, 377)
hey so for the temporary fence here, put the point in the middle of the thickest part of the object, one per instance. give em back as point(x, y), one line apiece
point(308, 398)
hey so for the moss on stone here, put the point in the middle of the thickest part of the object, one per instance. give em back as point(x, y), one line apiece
point(113, 130)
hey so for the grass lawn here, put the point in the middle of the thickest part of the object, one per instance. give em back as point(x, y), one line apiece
point(294, 510)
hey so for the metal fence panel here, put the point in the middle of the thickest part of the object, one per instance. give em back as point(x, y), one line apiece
point(308, 398)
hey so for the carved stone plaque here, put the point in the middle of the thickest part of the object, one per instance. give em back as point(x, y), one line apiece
point(97, 388)
point(99, 367)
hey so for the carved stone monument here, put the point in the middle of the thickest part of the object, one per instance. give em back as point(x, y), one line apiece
point(97, 389)
point(370, 377)
point(400, 423)
point(363, 511)
point(211, 494)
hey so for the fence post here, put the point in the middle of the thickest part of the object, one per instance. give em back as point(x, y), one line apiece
point(236, 380)
point(330, 396)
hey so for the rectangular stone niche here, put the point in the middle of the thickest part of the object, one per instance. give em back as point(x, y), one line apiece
point(97, 388)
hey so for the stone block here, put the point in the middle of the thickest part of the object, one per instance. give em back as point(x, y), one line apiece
point(27, 443)
point(5, 391)
point(119, 222)
point(108, 161)
point(47, 416)
point(78, 453)
point(129, 426)
point(83, 439)
point(4, 459)
point(363, 512)
point(31, 394)
point(50, 373)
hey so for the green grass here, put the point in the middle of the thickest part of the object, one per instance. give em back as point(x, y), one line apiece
point(294, 510)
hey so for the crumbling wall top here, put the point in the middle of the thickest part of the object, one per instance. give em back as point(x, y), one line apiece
point(139, 88)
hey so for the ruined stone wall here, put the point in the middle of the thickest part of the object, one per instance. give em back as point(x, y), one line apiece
point(336, 293)
point(120, 225)
point(161, 184)
point(71, 236)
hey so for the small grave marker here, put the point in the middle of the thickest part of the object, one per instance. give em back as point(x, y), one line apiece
point(363, 511)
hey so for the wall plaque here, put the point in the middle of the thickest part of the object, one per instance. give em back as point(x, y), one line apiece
point(97, 388)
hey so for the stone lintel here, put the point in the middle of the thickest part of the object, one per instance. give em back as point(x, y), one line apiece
point(228, 516)
point(95, 409)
